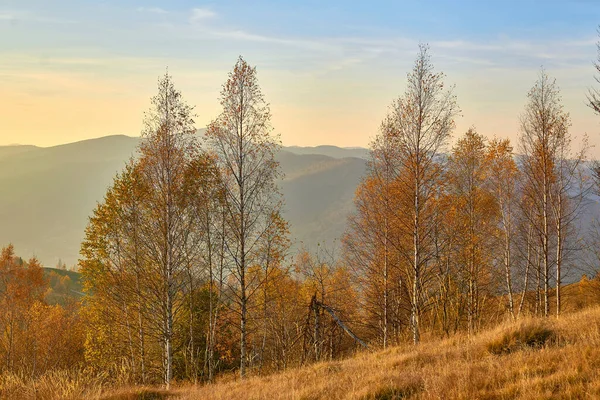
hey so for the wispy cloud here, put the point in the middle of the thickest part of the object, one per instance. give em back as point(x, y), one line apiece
point(5, 16)
point(153, 10)
point(241, 35)
point(28, 16)
point(516, 53)
point(199, 14)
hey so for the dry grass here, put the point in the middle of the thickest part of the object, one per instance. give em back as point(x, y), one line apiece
point(520, 336)
point(72, 385)
point(53, 385)
point(529, 359)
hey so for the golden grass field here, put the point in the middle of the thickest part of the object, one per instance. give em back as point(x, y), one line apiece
point(529, 359)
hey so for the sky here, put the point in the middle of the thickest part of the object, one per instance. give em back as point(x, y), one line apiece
point(74, 70)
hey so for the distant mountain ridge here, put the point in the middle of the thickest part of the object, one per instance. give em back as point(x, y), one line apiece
point(331, 151)
point(49, 192)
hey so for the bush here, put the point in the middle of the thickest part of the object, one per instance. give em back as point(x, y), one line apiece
point(525, 335)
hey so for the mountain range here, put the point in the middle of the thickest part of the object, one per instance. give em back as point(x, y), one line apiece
point(48, 193)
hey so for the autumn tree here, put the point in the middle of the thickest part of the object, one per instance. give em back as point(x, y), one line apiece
point(273, 250)
point(21, 286)
point(448, 294)
point(167, 149)
point(475, 218)
point(372, 244)
point(53, 339)
point(503, 178)
point(113, 277)
point(35, 337)
point(317, 271)
point(285, 317)
point(206, 192)
point(419, 125)
point(543, 141)
point(567, 197)
point(146, 248)
point(243, 140)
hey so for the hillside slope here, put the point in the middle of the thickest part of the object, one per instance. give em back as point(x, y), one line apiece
point(319, 194)
point(48, 193)
point(530, 359)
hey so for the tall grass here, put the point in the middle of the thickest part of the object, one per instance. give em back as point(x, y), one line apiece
point(52, 385)
point(530, 359)
point(71, 385)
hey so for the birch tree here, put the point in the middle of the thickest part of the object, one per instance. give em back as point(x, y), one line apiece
point(371, 243)
point(145, 244)
point(419, 125)
point(544, 125)
point(503, 180)
point(567, 196)
point(243, 140)
point(167, 148)
point(475, 218)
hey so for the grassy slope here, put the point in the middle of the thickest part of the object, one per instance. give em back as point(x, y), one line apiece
point(566, 366)
point(531, 359)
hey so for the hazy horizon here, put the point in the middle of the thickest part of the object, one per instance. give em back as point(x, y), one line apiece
point(139, 136)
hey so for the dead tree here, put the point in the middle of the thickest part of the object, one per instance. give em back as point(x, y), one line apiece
point(315, 309)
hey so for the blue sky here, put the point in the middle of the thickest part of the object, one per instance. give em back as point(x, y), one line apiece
point(72, 70)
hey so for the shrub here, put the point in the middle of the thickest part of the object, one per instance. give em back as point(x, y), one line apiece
point(524, 335)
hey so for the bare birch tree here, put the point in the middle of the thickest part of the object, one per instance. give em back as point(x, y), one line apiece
point(167, 148)
point(567, 197)
point(419, 124)
point(245, 145)
point(503, 179)
point(544, 125)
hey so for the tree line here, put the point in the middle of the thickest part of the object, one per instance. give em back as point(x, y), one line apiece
point(188, 268)
point(37, 334)
point(438, 239)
